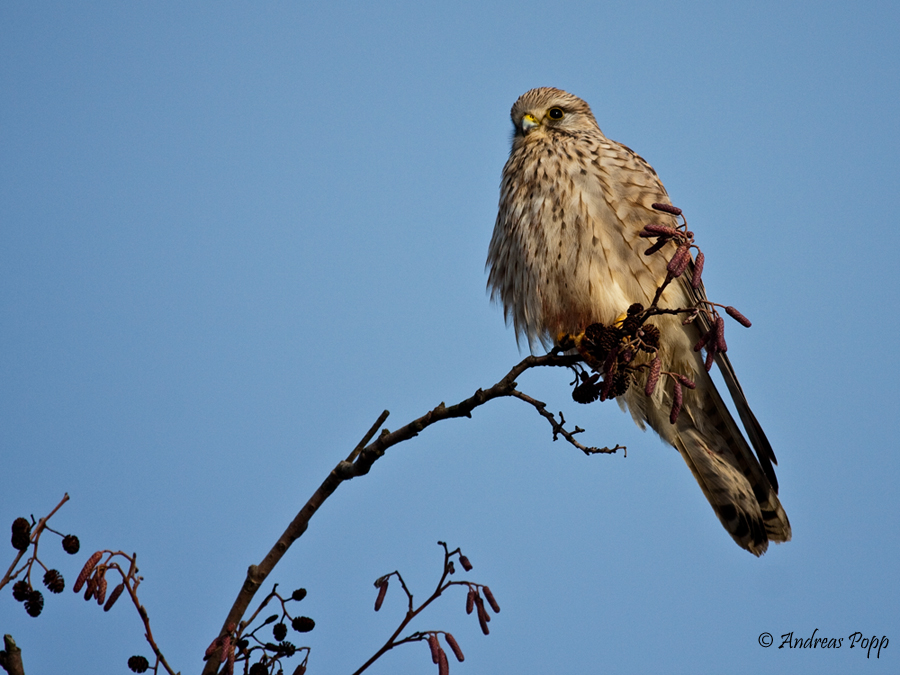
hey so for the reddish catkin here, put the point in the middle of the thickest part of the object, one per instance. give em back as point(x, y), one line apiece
point(676, 402)
point(89, 588)
point(658, 245)
point(701, 343)
point(86, 570)
point(483, 619)
point(226, 648)
point(698, 270)
point(213, 646)
point(382, 591)
point(686, 381)
point(490, 598)
point(737, 316)
point(679, 262)
point(100, 592)
point(710, 357)
point(653, 377)
point(657, 230)
point(464, 561)
point(668, 208)
point(720, 335)
point(443, 664)
point(454, 645)
point(435, 647)
point(229, 660)
point(111, 600)
point(470, 601)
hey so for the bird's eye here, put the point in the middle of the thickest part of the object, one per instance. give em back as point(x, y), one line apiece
point(555, 113)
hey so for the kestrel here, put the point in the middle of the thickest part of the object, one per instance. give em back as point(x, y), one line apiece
point(566, 253)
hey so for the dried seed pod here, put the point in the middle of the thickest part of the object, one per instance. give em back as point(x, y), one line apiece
point(111, 600)
point(490, 598)
point(34, 603)
point(435, 647)
point(21, 590)
point(454, 645)
point(676, 402)
point(21, 534)
point(679, 262)
point(86, 570)
point(653, 376)
point(70, 544)
point(649, 335)
point(737, 316)
point(464, 561)
point(382, 591)
point(138, 664)
point(586, 392)
point(720, 335)
point(279, 631)
point(54, 581)
point(303, 624)
point(470, 601)
point(668, 208)
point(698, 270)
point(299, 594)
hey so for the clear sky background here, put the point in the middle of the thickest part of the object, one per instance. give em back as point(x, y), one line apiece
point(233, 233)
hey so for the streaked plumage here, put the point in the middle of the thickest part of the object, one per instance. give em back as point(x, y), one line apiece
point(566, 253)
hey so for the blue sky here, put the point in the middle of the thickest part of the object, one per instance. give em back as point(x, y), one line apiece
point(233, 234)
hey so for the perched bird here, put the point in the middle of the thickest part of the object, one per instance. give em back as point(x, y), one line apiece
point(566, 253)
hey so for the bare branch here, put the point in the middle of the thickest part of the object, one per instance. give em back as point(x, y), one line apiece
point(361, 459)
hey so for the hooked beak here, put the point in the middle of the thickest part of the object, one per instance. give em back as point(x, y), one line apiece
point(528, 123)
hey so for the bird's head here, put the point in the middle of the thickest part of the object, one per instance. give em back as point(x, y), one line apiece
point(545, 110)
